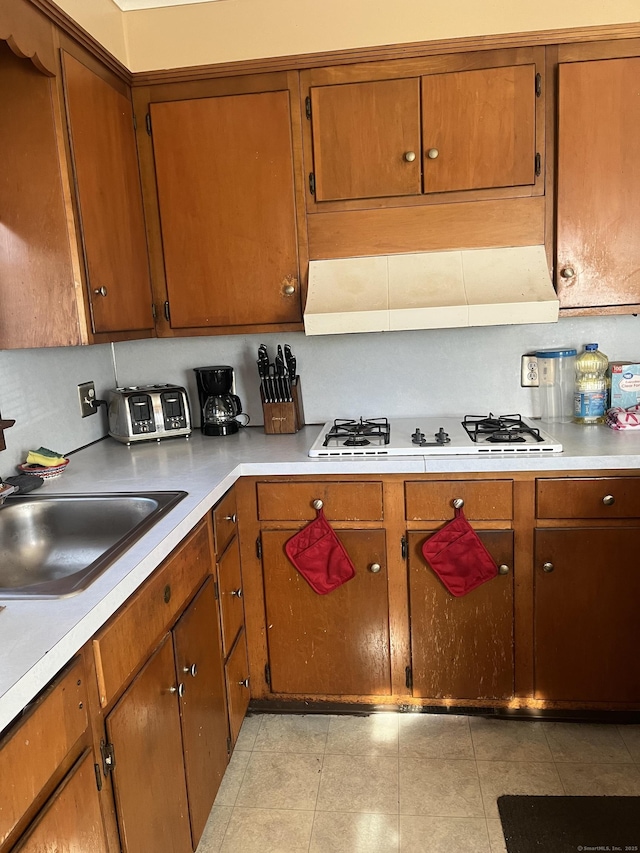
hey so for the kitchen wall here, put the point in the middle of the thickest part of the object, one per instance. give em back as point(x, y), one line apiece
point(393, 374)
point(246, 29)
point(227, 30)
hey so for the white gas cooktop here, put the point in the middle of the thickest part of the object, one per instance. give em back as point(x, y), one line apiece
point(432, 436)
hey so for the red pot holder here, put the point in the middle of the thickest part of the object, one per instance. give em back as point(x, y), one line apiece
point(458, 557)
point(320, 556)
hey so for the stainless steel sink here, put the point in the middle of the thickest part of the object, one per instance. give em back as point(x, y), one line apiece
point(56, 545)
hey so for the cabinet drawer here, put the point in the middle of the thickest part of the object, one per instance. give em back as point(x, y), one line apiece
point(230, 592)
point(483, 499)
point(35, 748)
point(130, 636)
point(238, 691)
point(224, 521)
point(600, 497)
point(342, 501)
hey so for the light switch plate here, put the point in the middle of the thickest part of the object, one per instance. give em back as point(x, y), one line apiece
point(529, 371)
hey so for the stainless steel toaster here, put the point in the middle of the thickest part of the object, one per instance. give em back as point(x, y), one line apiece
point(148, 413)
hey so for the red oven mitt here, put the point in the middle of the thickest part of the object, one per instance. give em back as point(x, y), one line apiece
point(320, 556)
point(458, 557)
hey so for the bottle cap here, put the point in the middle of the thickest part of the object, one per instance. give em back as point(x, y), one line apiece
point(591, 347)
point(555, 353)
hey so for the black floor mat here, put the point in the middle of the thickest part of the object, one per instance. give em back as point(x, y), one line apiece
point(570, 824)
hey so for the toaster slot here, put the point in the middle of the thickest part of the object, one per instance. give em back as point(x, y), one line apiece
point(141, 414)
point(173, 410)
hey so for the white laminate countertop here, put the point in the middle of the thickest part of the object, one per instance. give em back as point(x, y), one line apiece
point(38, 637)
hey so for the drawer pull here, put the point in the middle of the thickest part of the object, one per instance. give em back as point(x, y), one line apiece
point(179, 690)
point(608, 500)
point(192, 670)
point(232, 518)
point(375, 568)
point(458, 503)
point(166, 594)
point(503, 569)
point(244, 682)
point(317, 504)
point(548, 567)
point(237, 592)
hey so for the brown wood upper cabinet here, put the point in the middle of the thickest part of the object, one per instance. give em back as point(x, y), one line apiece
point(225, 183)
point(107, 179)
point(38, 293)
point(598, 215)
point(469, 128)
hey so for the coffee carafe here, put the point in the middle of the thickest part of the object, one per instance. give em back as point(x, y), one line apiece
point(220, 407)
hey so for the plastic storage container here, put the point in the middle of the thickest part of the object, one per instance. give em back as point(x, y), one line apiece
point(590, 399)
point(556, 380)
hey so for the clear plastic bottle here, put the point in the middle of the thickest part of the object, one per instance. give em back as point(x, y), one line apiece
point(590, 399)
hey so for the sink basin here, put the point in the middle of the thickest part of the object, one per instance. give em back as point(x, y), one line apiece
point(55, 545)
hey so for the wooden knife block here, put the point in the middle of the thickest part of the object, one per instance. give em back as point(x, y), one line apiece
point(284, 418)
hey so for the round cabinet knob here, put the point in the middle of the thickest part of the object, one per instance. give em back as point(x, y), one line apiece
point(567, 272)
point(317, 504)
point(289, 283)
point(100, 291)
point(503, 569)
point(458, 503)
point(237, 592)
point(547, 567)
point(192, 670)
point(375, 568)
point(232, 518)
point(409, 156)
point(179, 690)
point(608, 500)
point(432, 153)
point(244, 682)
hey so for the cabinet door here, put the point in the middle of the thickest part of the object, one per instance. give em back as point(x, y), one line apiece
point(362, 136)
point(224, 170)
point(203, 706)
point(598, 254)
point(238, 686)
point(71, 821)
point(478, 129)
point(37, 289)
point(107, 179)
point(335, 644)
point(587, 631)
point(231, 598)
point(462, 648)
point(149, 780)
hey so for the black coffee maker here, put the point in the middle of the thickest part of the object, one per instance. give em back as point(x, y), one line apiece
point(219, 406)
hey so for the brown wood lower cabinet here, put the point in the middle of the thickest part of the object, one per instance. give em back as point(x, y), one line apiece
point(462, 648)
point(587, 630)
point(335, 644)
point(203, 705)
point(238, 685)
point(149, 779)
point(170, 736)
point(72, 820)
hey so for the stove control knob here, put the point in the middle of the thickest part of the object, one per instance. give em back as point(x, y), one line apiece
point(458, 503)
point(417, 437)
point(442, 437)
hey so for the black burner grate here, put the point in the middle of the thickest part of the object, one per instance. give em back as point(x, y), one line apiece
point(500, 429)
point(352, 433)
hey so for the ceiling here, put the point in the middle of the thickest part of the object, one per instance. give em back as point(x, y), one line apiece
point(129, 5)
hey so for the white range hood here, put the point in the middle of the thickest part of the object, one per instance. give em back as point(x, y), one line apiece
point(430, 290)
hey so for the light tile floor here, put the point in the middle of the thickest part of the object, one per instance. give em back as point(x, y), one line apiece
point(403, 783)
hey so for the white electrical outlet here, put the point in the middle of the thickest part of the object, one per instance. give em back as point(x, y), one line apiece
point(529, 371)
